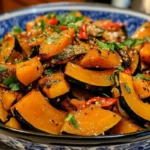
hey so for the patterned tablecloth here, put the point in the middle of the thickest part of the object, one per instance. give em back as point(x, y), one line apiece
point(5, 147)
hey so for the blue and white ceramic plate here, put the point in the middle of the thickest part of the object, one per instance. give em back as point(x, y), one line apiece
point(20, 139)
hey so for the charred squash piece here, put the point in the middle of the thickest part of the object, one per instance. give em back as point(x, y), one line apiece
point(3, 113)
point(69, 53)
point(26, 48)
point(7, 48)
point(129, 101)
point(15, 57)
point(92, 120)
point(101, 59)
point(134, 57)
point(9, 97)
point(29, 71)
point(145, 53)
point(53, 47)
point(13, 123)
point(95, 80)
point(54, 85)
point(142, 31)
point(142, 88)
point(125, 126)
point(34, 110)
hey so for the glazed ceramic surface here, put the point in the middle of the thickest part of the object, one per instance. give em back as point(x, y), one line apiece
point(25, 140)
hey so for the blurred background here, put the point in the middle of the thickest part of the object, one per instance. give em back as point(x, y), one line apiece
point(139, 5)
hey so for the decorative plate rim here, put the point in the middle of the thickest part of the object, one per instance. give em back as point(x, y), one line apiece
point(133, 137)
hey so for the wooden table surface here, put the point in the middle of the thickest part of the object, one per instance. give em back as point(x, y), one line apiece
point(5, 147)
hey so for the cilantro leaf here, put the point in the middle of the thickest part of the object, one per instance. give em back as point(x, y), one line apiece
point(127, 88)
point(102, 45)
point(147, 38)
point(121, 68)
point(12, 82)
point(42, 24)
point(72, 120)
point(49, 71)
point(17, 29)
point(3, 69)
point(141, 76)
point(6, 58)
point(72, 25)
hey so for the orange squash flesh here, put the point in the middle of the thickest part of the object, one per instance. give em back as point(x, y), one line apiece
point(124, 126)
point(13, 123)
point(136, 105)
point(7, 48)
point(142, 31)
point(29, 71)
point(3, 113)
point(145, 53)
point(36, 110)
point(92, 120)
point(48, 50)
point(142, 87)
point(101, 59)
point(97, 78)
point(54, 85)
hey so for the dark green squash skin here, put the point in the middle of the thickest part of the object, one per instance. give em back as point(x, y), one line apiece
point(25, 125)
point(139, 120)
point(98, 89)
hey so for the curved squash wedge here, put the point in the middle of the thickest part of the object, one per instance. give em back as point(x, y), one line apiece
point(92, 120)
point(136, 108)
point(88, 78)
point(101, 59)
point(13, 123)
point(35, 110)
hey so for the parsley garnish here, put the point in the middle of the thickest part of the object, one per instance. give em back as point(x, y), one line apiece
point(127, 88)
point(121, 68)
point(141, 76)
point(13, 83)
point(17, 29)
point(72, 120)
point(6, 57)
point(3, 69)
point(132, 42)
point(147, 38)
point(42, 24)
point(49, 71)
point(50, 15)
point(72, 25)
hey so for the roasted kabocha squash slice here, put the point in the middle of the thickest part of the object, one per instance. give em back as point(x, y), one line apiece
point(7, 48)
point(54, 45)
point(94, 80)
point(37, 113)
point(13, 123)
point(125, 126)
point(142, 31)
point(91, 120)
point(54, 85)
point(130, 102)
point(29, 71)
point(96, 58)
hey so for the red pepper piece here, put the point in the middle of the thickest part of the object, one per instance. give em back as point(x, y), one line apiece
point(112, 25)
point(127, 71)
point(104, 102)
point(53, 21)
point(63, 28)
point(82, 33)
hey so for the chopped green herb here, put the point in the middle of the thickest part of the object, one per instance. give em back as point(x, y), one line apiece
point(29, 87)
point(42, 24)
point(14, 86)
point(121, 68)
point(147, 38)
point(17, 29)
point(16, 61)
point(141, 76)
point(72, 25)
point(12, 82)
point(49, 71)
point(106, 95)
point(120, 46)
point(50, 15)
point(6, 58)
point(132, 42)
point(72, 120)
point(127, 88)
point(3, 69)
point(1, 40)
